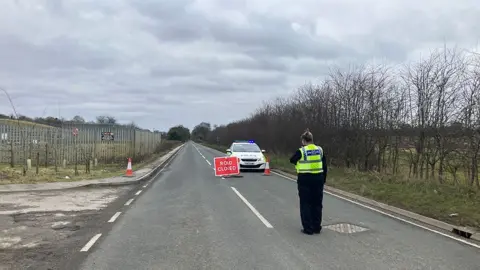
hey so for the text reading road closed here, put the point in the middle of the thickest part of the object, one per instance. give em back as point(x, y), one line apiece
point(226, 166)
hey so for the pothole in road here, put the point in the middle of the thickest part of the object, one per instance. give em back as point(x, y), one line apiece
point(345, 228)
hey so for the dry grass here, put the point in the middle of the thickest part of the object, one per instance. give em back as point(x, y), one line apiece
point(420, 196)
point(23, 123)
point(104, 152)
point(14, 175)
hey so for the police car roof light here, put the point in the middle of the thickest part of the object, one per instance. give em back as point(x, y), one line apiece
point(243, 141)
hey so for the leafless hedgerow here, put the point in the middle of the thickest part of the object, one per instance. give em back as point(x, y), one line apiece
point(421, 120)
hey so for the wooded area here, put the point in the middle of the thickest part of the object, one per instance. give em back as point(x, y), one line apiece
point(417, 121)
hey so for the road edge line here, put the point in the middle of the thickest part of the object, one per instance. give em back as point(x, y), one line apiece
point(255, 211)
point(372, 206)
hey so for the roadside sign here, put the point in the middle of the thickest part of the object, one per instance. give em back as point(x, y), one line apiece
point(225, 166)
point(108, 136)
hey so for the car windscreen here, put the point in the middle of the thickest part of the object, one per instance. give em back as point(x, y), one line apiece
point(246, 147)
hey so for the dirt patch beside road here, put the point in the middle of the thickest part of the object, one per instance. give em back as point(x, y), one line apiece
point(38, 229)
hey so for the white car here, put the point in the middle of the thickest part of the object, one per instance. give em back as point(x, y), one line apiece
point(250, 155)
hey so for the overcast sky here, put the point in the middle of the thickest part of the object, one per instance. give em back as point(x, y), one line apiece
point(162, 63)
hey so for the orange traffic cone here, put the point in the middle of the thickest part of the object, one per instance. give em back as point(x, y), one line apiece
point(129, 168)
point(267, 167)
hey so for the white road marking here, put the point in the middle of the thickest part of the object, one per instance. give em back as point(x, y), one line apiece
point(210, 164)
point(129, 202)
point(392, 216)
point(144, 186)
point(114, 217)
point(91, 243)
point(253, 209)
point(138, 193)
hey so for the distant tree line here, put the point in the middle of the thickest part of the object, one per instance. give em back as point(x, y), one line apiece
point(178, 133)
point(201, 131)
point(419, 121)
point(59, 122)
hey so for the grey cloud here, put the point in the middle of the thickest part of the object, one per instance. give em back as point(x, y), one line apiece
point(162, 9)
point(265, 36)
point(275, 37)
point(170, 70)
point(310, 67)
point(171, 20)
point(143, 59)
point(264, 63)
point(56, 6)
point(22, 56)
point(410, 28)
point(201, 85)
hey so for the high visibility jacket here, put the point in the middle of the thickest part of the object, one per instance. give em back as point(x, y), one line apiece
point(311, 161)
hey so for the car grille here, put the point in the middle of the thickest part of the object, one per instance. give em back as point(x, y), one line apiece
point(249, 159)
point(250, 166)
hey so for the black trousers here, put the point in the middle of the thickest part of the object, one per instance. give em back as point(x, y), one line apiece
point(310, 191)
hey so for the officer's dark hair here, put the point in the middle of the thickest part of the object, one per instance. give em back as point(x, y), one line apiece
point(307, 136)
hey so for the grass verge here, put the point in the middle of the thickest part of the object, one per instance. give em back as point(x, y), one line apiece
point(23, 123)
point(14, 175)
point(458, 205)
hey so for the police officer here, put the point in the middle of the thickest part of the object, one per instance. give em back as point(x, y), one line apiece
point(311, 166)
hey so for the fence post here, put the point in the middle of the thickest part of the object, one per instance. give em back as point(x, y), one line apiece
point(76, 156)
point(38, 162)
point(134, 154)
point(12, 155)
point(46, 155)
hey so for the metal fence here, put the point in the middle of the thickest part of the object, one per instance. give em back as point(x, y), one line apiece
point(52, 145)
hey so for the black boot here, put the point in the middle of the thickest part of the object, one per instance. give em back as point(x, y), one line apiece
point(307, 232)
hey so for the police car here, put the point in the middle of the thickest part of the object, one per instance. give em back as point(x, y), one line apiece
point(250, 155)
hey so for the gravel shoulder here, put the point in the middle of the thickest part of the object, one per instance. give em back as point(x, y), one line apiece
point(38, 230)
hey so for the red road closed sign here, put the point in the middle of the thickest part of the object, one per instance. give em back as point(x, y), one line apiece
point(226, 166)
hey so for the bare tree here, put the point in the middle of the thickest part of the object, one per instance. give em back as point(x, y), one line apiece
point(419, 121)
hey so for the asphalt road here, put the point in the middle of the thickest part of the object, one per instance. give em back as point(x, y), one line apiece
point(190, 219)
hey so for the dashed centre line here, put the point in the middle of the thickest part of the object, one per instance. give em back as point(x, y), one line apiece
point(210, 164)
point(95, 238)
point(91, 242)
point(114, 217)
point(129, 202)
